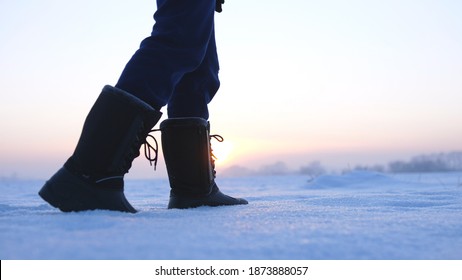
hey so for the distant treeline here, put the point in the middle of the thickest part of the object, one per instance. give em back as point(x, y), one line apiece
point(441, 162)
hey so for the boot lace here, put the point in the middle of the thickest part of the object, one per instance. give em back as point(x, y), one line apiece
point(151, 150)
point(220, 139)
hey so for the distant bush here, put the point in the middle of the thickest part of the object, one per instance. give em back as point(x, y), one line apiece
point(314, 169)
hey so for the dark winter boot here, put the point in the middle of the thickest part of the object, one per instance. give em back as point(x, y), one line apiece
point(113, 132)
point(190, 166)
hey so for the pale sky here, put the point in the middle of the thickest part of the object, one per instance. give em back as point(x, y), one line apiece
point(343, 82)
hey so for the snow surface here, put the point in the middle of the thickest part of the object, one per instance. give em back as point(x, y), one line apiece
point(359, 215)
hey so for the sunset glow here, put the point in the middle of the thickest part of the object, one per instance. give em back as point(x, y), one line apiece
point(222, 152)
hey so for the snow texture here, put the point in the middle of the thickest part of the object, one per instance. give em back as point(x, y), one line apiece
point(359, 215)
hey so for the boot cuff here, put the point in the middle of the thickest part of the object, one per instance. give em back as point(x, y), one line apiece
point(184, 122)
point(127, 97)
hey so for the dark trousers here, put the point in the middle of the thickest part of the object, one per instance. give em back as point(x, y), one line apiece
point(177, 65)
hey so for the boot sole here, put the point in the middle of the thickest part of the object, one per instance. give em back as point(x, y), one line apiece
point(214, 200)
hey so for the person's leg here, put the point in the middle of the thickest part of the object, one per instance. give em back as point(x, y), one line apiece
point(186, 139)
point(196, 89)
point(121, 118)
point(178, 45)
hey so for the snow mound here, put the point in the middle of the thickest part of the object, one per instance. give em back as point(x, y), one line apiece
point(355, 179)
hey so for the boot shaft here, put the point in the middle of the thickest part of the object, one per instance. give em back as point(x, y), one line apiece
point(186, 149)
point(113, 132)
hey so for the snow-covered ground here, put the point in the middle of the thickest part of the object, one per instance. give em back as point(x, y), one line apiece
point(359, 215)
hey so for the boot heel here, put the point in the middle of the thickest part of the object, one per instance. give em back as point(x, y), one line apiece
point(63, 191)
point(47, 194)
